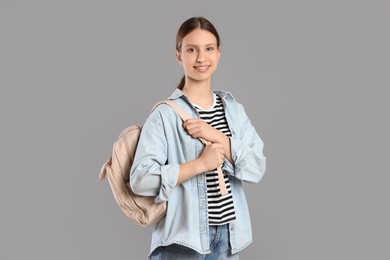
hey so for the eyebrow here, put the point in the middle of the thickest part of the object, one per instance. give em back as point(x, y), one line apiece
point(194, 45)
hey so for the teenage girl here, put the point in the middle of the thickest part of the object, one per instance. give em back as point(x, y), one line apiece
point(172, 164)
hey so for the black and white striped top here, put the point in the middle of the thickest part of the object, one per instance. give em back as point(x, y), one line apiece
point(220, 208)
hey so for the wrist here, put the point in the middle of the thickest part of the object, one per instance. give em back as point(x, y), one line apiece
point(224, 139)
point(199, 165)
point(190, 169)
point(221, 138)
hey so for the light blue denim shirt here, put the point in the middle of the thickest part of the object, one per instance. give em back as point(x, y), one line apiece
point(164, 144)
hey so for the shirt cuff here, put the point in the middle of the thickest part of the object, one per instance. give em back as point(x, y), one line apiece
point(169, 177)
point(238, 155)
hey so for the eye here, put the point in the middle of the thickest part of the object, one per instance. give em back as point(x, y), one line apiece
point(191, 50)
point(209, 48)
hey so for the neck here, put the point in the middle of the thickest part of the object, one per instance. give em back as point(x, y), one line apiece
point(199, 92)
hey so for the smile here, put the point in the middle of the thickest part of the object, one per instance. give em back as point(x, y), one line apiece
point(202, 68)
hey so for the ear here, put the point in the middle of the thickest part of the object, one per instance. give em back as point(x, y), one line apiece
point(178, 57)
point(219, 52)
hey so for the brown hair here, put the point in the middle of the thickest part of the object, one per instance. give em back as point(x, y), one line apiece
point(187, 27)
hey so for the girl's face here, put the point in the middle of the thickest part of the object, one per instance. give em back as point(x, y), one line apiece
point(199, 55)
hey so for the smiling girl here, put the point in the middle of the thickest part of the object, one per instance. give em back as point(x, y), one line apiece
point(207, 216)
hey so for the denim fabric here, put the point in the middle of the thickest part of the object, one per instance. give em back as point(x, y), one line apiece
point(164, 145)
point(219, 246)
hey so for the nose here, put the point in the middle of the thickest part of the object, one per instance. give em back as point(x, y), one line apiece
point(201, 57)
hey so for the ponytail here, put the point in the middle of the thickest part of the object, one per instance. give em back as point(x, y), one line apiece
point(182, 83)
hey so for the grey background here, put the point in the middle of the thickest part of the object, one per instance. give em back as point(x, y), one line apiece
point(313, 76)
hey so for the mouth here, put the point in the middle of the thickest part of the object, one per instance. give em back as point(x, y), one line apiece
point(202, 68)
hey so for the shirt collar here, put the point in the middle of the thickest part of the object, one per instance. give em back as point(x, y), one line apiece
point(223, 94)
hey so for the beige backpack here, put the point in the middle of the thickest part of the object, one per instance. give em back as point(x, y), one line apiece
point(141, 209)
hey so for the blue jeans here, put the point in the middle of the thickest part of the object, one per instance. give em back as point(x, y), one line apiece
point(219, 246)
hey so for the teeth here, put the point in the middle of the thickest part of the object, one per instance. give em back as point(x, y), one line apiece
point(202, 68)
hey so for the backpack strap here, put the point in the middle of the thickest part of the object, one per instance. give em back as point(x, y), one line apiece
point(184, 116)
point(180, 111)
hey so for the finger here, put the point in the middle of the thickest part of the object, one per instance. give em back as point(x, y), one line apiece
point(192, 129)
point(186, 122)
point(193, 123)
point(210, 145)
point(192, 120)
point(220, 151)
point(218, 145)
point(197, 133)
point(221, 161)
point(188, 127)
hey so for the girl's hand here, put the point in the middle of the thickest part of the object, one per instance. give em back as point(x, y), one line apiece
point(196, 127)
point(212, 156)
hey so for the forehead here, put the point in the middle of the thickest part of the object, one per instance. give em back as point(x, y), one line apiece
point(199, 37)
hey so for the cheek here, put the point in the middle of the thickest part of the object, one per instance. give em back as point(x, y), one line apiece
point(186, 61)
point(215, 57)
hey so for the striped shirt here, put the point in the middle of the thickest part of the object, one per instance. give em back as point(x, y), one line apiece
point(220, 208)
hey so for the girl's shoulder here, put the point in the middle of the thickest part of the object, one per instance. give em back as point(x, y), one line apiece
point(160, 110)
point(229, 99)
point(166, 113)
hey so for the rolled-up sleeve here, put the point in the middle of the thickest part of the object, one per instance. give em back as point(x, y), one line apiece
point(150, 175)
point(247, 154)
